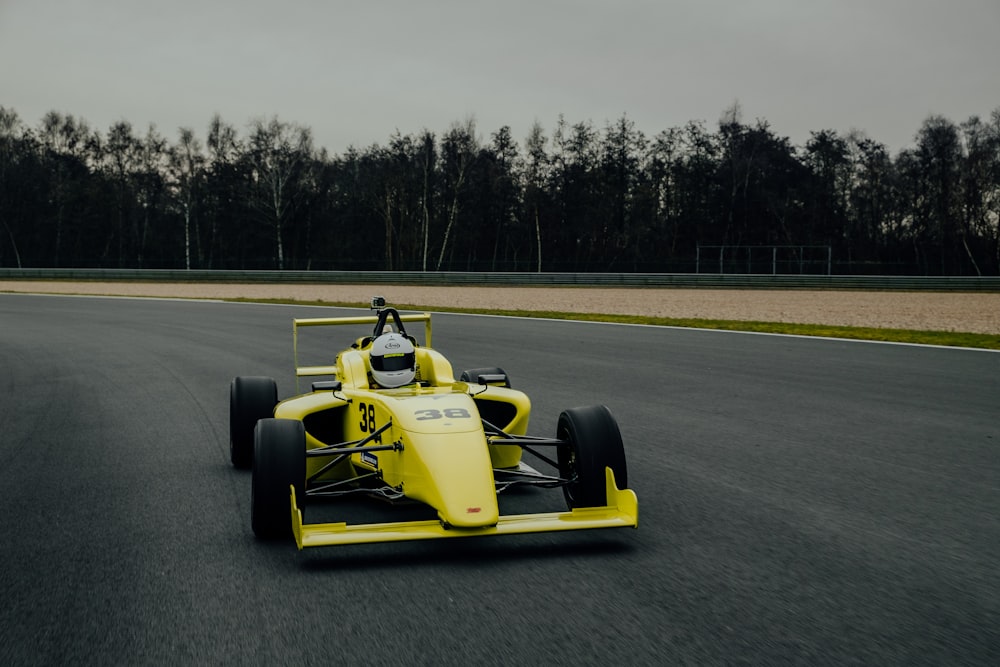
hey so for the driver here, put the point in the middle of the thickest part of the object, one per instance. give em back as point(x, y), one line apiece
point(393, 360)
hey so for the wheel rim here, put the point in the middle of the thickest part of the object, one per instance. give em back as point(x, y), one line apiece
point(567, 466)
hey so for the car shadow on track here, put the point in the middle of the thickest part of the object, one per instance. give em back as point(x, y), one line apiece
point(458, 553)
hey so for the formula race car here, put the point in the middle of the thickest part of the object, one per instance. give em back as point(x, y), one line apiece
point(391, 421)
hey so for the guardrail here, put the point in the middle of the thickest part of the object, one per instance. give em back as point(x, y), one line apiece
point(451, 278)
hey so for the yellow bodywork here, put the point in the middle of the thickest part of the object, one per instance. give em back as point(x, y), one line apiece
point(429, 445)
point(622, 512)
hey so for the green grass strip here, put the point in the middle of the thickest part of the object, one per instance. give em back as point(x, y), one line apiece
point(944, 338)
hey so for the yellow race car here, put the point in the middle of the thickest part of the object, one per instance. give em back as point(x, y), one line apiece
point(392, 421)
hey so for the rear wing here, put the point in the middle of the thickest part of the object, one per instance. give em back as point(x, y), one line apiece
point(307, 371)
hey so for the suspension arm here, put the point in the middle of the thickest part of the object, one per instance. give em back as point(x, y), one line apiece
point(357, 446)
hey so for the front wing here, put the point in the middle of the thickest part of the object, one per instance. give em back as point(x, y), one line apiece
point(621, 512)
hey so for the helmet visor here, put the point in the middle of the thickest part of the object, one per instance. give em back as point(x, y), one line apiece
point(395, 361)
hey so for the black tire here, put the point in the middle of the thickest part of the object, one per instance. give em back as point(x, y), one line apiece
point(279, 462)
point(250, 399)
point(593, 443)
point(473, 375)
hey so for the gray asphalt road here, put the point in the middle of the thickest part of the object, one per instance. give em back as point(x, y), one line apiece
point(801, 501)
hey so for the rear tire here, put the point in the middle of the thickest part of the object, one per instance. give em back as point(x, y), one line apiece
point(593, 443)
point(250, 399)
point(279, 462)
point(473, 376)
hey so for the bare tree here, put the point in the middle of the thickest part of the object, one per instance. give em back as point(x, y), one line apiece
point(503, 189)
point(622, 153)
point(186, 169)
point(10, 124)
point(223, 179)
point(992, 186)
point(120, 153)
point(459, 149)
point(939, 153)
point(535, 176)
point(280, 152)
point(428, 157)
point(152, 162)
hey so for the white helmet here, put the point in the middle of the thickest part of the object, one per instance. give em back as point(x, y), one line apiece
point(393, 361)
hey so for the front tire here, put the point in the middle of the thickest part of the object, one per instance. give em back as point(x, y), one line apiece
point(593, 443)
point(250, 399)
point(279, 462)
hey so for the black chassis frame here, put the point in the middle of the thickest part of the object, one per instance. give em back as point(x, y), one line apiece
point(504, 478)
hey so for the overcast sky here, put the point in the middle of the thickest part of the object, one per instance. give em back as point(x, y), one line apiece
point(356, 71)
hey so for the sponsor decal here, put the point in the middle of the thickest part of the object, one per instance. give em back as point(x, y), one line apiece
point(473, 510)
point(392, 345)
point(369, 459)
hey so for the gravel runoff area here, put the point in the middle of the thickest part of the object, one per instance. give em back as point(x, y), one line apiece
point(970, 312)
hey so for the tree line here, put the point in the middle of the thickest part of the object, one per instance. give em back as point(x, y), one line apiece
point(580, 198)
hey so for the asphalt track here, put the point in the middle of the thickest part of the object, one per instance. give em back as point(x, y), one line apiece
point(801, 501)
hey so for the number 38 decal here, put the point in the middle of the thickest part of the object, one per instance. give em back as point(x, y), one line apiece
point(447, 413)
point(367, 417)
